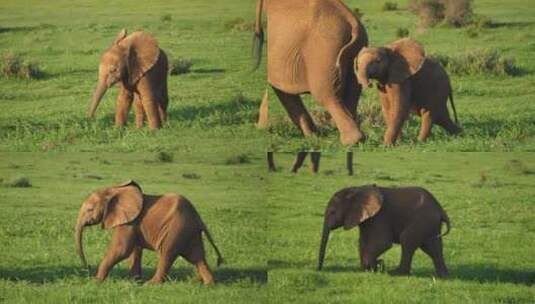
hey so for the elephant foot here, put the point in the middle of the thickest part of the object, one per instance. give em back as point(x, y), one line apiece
point(399, 272)
point(442, 274)
point(351, 138)
point(155, 280)
point(380, 266)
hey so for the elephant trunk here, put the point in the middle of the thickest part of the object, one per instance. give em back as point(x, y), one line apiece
point(97, 97)
point(323, 245)
point(79, 246)
point(362, 76)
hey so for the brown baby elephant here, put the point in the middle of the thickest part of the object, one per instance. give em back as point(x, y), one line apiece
point(140, 67)
point(407, 80)
point(167, 224)
point(408, 216)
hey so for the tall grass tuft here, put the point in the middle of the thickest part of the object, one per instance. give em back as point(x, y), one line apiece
point(479, 61)
point(180, 66)
point(389, 6)
point(239, 24)
point(15, 66)
point(457, 13)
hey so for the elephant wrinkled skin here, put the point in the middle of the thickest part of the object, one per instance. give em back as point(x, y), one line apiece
point(167, 224)
point(408, 216)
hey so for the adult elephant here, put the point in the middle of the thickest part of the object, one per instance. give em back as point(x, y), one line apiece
point(311, 48)
point(139, 66)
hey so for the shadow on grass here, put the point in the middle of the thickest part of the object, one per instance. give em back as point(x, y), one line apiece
point(208, 71)
point(231, 112)
point(520, 24)
point(18, 29)
point(48, 274)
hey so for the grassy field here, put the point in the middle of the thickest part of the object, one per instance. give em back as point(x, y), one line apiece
point(216, 104)
point(489, 252)
point(38, 262)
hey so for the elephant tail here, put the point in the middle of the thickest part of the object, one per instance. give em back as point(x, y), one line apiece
point(211, 240)
point(453, 108)
point(258, 38)
point(445, 219)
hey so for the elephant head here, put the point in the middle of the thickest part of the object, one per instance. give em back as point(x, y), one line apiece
point(126, 60)
point(393, 63)
point(111, 207)
point(349, 207)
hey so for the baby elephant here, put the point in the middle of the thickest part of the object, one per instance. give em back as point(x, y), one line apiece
point(407, 80)
point(408, 216)
point(139, 66)
point(167, 224)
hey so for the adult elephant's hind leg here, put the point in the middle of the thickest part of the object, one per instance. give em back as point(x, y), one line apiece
point(349, 131)
point(196, 256)
point(299, 160)
point(297, 112)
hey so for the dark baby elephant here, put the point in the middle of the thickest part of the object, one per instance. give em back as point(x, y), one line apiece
point(408, 216)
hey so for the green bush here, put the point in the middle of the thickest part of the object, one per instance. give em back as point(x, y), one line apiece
point(166, 18)
point(164, 157)
point(402, 32)
point(180, 66)
point(358, 13)
point(453, 12)
point(475, 62)
point(389, 6)
point(14, 66)
point(239, 24)
point(19, 182)
point(238, 159)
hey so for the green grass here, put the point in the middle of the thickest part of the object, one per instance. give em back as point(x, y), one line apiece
point(489, 251)
point(215, 105)
point(268, 228)
point(38, 262)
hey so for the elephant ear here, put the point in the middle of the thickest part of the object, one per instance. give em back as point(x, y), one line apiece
point(406, 58)
point(120, 36)
point(364, 203)
point(143, 53)
point(124, 205)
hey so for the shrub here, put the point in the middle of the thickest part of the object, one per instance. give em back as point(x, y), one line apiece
point(239, 24)
point(19, 182)
point(166, 18)
point(164, 157)
point(402, 32)
point(389, 6)
point(191, 176)
point(478, 62)
point(238, 159)
point(180, 66)
point(453, 12)
point(13, 65)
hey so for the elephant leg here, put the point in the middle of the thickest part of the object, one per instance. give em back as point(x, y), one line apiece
point(445, 122)
point(196, 256)
point(315, 160)
point(122, 107)
point(433, 248)
point(427, 124)
point(369, 252)
point(350, 133)
point(134, 262)
point(263, 112)
point(166, 259)
point(349, 163)
point(410, 239)
point(352, 95)
point(297, 112)
point(140, 113)
point(271, 162)
point(163, 104)
point(120, 247)
point(299, 159)
point(398, 98)
point(151, 109)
